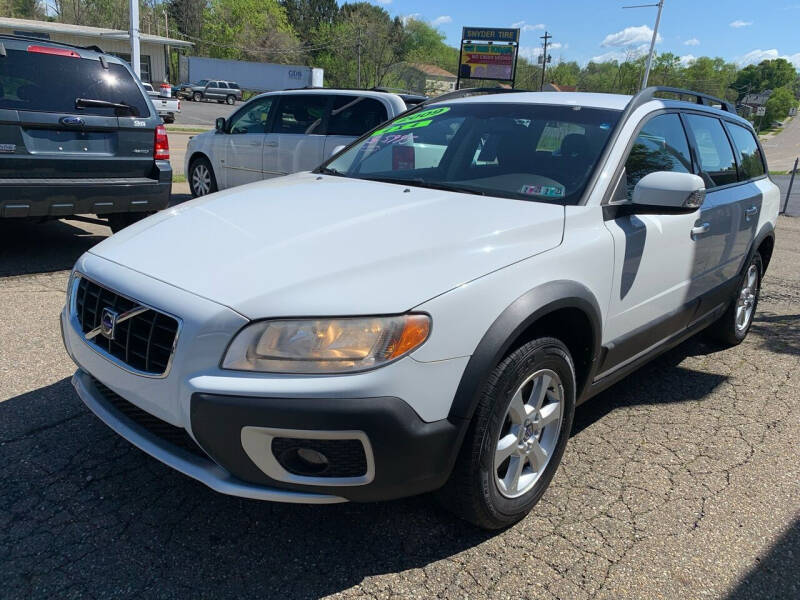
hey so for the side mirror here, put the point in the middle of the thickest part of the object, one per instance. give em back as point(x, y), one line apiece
point(338, 149)
point(665, 189)
point(220, 124)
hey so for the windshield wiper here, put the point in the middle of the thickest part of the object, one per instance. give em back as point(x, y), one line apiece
point(95, 103)
point(329, 171)
point(432, 185)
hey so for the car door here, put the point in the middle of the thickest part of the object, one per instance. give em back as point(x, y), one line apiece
point(297, 140)
point(212, 90)
point(655, 256)
point(720, 247)
point(351, 117)
point(244, 141)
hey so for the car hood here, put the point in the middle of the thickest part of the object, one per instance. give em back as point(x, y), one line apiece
point(321, 245)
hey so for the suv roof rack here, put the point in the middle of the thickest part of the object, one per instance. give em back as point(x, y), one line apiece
point(648, 94)
point(33, 38)
point(466, 92)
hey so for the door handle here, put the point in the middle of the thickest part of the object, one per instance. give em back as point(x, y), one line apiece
point(271, 144)
point(750, 212)
point(700, 230)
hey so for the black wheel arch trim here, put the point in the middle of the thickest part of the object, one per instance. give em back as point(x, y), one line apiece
point(512, 322)
point(767, 231)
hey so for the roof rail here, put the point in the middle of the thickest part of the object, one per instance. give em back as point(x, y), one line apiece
point(648, 94)
point(466, 92)
point(33, 38)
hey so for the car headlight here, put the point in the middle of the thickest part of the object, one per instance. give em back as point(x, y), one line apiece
point(325, 345)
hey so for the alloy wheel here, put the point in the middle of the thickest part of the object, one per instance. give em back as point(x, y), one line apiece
point(746, 300)
point(529, 434)
point(201, 180)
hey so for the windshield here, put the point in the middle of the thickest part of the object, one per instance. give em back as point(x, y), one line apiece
point(525, 151)
point(202, 82)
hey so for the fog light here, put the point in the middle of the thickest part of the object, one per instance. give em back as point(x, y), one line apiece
point(312, 456)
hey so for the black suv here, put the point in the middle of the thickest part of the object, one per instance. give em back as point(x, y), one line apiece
point(78, 135)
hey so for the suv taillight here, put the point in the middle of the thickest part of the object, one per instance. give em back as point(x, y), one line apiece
point(161, 146)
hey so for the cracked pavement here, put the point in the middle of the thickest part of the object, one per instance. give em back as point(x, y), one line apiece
point(681, 481)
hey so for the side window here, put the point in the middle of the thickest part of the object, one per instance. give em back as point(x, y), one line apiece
point(253, 117)
point(660, 146)
point(223, 85)
point(355, 115)
point(301, 114)
point(714, 150)
point(750, 158)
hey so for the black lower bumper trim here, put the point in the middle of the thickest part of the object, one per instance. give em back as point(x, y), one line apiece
point(411, 456)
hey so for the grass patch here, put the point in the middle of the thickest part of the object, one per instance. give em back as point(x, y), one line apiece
point(178, 178)
point(180, 129)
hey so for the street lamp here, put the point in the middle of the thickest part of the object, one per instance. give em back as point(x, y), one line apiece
point(660, 6)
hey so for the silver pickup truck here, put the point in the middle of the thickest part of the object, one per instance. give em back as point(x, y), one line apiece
point(167, 107)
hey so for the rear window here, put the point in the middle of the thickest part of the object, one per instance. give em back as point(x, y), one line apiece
point(355, 115)
point(752, 163)
point(715, 153)
point(32, 81)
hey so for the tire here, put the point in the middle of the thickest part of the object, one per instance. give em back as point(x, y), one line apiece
point(169, 119)
point(119, 221)
point(481, 488)
point(732, 327)
point(201, 178)
point(230, 100)
point(197, 96)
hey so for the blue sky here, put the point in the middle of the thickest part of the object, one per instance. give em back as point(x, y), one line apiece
point(742, 31)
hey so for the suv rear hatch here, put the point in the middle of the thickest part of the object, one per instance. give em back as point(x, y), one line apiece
point(57, 119)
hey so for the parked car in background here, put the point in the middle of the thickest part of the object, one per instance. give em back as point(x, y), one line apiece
point(78, 135)
point(283, 132)
point(214, 89)
point(167, 107)
point(425, 310)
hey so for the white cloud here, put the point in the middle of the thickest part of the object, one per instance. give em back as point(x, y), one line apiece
point(533, 52)
point(527, 26)
point(630, 36)
point(412, 17)
point(692, 42)
point(738, 24)
point(442, 20)
point(622, 55)
point(688, 59)
point(756, 56)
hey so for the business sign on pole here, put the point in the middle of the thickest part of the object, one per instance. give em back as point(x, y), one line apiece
point(488, 54)
point(761, 111)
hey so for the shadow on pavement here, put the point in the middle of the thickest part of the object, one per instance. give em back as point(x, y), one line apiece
point(82, 511)
point(778, 333)
point(776, 574)
point(27, 247)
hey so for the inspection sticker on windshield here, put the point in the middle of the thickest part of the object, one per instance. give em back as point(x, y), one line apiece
point(550, 191)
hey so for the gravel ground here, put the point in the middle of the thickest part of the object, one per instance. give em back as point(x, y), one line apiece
point(682, 481)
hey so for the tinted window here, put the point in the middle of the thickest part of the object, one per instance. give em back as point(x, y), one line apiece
point(301, 114)
point(253, 117)
point(354, 115)
point(498, 149)
point(233, 85)
point(660, 146)
point(750, 159)
point(714, 151)
point(50, 83)
point(222, 84)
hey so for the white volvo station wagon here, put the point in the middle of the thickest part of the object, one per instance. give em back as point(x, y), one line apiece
point(426, 309)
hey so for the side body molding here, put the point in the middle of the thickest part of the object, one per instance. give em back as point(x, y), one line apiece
point(512, 322)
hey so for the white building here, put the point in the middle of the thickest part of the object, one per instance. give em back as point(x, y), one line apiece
point(153, 48)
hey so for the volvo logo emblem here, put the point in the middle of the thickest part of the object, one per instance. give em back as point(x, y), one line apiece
point(71, 121)
point(108, 322)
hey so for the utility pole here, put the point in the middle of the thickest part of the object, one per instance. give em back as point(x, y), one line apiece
point(134, 34)
point(359, 61)
point(166, 47)
point(660, 6)
point(546, 37)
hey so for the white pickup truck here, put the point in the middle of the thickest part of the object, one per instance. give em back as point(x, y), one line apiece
point(167, 107)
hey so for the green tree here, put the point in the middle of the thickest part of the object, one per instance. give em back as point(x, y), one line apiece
point(767, 75)
point(307, 16)
point(564, 73)
point(778, 105)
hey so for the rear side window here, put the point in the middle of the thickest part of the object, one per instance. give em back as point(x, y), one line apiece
point(222, 84)
point(355, 115)
point(234, 86)
point(301, 113)
point(714, 151)
point(750, 159)
point(31, 81)
point(660, 146)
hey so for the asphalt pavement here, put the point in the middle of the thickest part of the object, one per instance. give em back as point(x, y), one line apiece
point(682, 481)
point(202, 114)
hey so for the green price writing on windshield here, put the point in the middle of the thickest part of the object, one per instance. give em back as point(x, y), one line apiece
point(425, 114)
